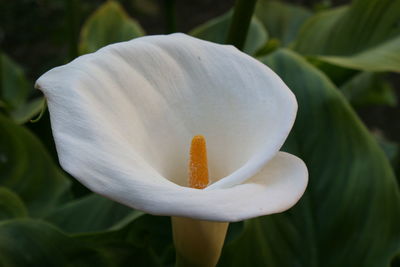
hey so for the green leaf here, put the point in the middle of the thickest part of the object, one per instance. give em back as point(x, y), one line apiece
point(266, 241)
point(14, 86)
point(367, 88)
point(282, 20)
point(27, 169)
point(92, 213)
point(108, 24)
point(314, 35)
point(365, 36)
point(350, 213)
point(383, 57)
point(34, 243)
point(391, 149)
point(11, 206)
point(216, 30)
point(151, 234)
point(15, 91)
point(337, 74)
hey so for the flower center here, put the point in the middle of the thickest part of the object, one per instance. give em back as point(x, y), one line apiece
point(198, 167)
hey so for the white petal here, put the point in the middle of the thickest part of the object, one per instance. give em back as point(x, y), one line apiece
point(276, 188)
point(123, 117)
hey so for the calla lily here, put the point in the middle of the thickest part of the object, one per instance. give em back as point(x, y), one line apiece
point(123, 117)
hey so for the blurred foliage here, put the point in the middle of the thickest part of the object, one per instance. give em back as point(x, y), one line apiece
point(334, 59)
point(343, 177)
point(369, 88)
point(16, 92)
point(96, 213)
point(323, 229)
point(11, 205)
point(28, 170)
point(282, 20)
point(109, 24)
point(364, 35)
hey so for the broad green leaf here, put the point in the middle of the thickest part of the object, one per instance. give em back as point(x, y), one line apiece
point(216, 31)
point(15, 91)
point(151, 234)
point(282, 20)
point(266, 241)
point(27, 169)
point(108, 24)
point(314, 36)
point(391, 149)
point(14, 86)
point(92, 213)
point(11, 206)
point(367, 89)
point(34, 243)
point(350, 213)
point(364, 35)
point(383, 57)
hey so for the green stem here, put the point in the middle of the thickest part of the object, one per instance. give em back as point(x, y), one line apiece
point(73, 27)
point(170, 17)
point(240, 22)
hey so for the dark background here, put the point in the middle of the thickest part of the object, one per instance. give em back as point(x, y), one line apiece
point(34, 32)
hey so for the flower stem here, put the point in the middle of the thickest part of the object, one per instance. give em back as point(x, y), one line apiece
point(198, 243)
point(240, 23)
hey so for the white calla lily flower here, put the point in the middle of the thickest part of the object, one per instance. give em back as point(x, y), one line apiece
point(123, 117)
